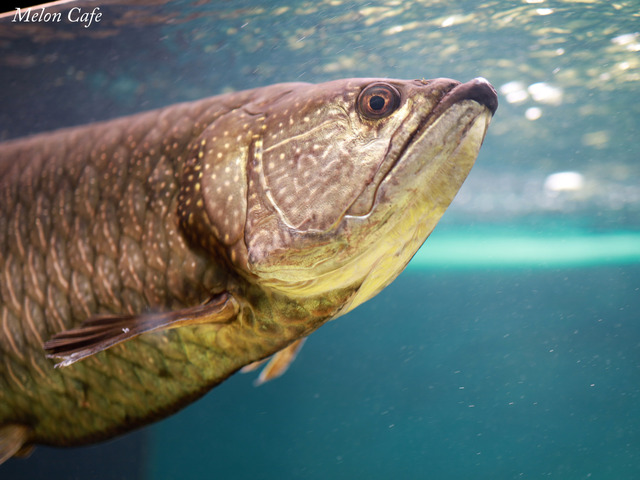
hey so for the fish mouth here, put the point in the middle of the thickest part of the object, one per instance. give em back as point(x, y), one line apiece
point(428, 172)
point(478, 90)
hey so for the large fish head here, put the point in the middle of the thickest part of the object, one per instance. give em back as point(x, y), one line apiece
point(345, 180)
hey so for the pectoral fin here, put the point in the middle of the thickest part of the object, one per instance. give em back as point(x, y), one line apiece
point(278, 363)
point(102, 332)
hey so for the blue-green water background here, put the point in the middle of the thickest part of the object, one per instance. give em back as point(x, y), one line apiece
point(509, 349)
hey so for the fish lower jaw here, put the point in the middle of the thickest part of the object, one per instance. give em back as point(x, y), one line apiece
point(381, 243)
point(419, 214)
point(368, 271)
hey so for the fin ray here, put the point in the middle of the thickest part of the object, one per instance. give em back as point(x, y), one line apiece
point(105, 331)
point(279, 363)
point(13, 439)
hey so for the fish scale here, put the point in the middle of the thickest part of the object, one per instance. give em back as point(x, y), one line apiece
point(153, 256)
point(118, 244)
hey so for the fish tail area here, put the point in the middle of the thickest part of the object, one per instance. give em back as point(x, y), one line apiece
point(13, 441)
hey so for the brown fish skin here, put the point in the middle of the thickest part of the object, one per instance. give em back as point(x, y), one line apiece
point(270, 202)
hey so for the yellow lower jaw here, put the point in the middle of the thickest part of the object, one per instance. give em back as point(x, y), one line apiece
point(415, 217)
point(388, 258)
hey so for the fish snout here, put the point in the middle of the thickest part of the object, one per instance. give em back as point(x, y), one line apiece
point(479, 90)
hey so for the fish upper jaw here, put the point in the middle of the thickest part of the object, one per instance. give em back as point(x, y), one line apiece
point(416, 159)
point(426, 162)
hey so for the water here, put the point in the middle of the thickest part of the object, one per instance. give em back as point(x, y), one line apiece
point(492, 374)
point(510, 348)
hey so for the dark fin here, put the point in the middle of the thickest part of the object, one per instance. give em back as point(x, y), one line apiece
point(102, 332)
point(278, 363)
point(13, 439)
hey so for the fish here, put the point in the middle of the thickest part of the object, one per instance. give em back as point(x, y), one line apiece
point(145, 259)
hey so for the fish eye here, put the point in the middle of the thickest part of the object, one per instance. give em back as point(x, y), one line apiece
point(378, 100)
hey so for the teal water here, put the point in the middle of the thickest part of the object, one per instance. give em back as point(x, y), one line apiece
point(483, 373)
point(509, 348)
point(492, 248)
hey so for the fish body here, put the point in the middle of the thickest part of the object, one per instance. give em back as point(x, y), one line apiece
point(152, 256)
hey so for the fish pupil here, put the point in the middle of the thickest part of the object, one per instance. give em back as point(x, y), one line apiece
point(376, 103)
point(378, 100)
